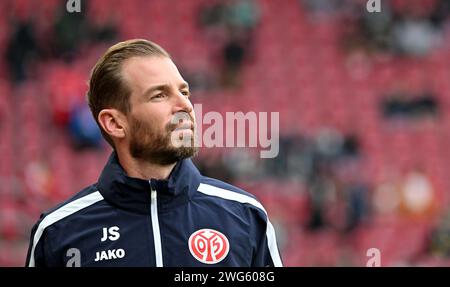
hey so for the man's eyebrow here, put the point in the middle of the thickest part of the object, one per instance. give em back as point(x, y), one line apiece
point(155, 88)
point(184, 85)
point(163, 87)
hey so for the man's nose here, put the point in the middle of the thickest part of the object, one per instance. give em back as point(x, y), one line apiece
point(182, 103)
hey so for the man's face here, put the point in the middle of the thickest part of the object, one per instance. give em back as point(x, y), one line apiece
point(160, 110)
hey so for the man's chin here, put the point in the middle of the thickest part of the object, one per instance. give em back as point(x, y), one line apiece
point(168, 156)
point(181, 137)
point(178, 154)
point(186, 152)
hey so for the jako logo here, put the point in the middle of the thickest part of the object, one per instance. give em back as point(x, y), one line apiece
point(373, 6)
point(208, 246)
point(109, 254)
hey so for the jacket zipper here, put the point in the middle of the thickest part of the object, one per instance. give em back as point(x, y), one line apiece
point(155, 226)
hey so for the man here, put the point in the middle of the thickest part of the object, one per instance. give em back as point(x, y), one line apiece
point(151, 206)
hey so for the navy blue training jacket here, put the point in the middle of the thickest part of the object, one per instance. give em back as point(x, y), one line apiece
point(187, 220)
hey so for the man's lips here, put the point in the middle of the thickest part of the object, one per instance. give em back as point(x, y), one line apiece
point(185, 126)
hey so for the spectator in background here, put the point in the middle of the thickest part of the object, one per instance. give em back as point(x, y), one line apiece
point(387, 194)
point(408, 30)
point(403, 105)
point(294, 158)
point(329, 144)
point(322, 9)
point(230, 25)
point(242, 16)
point(339, 192)
point(363, 31)
point(212, 16)
point(73, 30)
point(414, 36)
point(356, 194)
point(230, 15)
point(200, 80)
point(21, 49)
point(317, 162)
point(425, 105)
point(214, 166)
point(322, 191)
point(417, 194)
point(440, 14)
point(83, 129)
point(299, 155)
point(70, 31)
point(322, 182)
point(396, 105)
point(440, 238)
point(411, 194)
point(234, 53)
point(416, 28)
point(39, 181)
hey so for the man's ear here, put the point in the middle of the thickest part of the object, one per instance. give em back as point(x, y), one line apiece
point(113, 122)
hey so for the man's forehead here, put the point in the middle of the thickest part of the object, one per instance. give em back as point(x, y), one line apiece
point(150, 70)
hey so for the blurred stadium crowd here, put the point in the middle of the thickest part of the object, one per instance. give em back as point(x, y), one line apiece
point(363, 98)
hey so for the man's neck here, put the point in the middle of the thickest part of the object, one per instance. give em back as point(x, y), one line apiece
point(143, 169)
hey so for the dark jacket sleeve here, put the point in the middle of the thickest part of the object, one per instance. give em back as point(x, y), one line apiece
point(36, 252)
point(265, 249)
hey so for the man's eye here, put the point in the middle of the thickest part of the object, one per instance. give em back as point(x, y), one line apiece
point(158, 96)
point(185, 93)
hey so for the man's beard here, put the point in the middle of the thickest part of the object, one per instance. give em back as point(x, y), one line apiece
point(149, 143)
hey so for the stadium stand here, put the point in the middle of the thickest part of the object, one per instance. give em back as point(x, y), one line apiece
point(304, 64)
